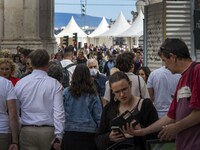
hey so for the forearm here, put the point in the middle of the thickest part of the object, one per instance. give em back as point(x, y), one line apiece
point(157, 126)
point(189, 121)
point(13, 120)
point(151, 93)
point(14, 125)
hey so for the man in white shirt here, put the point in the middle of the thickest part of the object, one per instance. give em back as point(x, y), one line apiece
point(9, 125)
point(67, 60)
point(41, 104)
point(161, 85)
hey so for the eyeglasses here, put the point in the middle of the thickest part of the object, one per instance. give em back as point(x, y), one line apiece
point(124, 90)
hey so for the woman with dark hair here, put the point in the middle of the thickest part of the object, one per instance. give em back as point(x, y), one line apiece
point(144, 72)
point(82, 111)
point(59, 56)
point(122, 101)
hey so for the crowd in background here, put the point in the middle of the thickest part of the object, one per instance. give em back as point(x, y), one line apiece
point(71, 99)
point(105, 56)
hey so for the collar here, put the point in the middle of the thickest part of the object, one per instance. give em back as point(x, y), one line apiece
point(38, 71)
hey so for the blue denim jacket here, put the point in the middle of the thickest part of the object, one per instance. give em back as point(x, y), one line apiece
point(82, 114)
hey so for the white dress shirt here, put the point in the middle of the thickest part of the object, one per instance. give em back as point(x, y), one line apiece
point(41, 101)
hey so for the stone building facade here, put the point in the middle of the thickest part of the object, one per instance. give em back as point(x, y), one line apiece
point(27, 23)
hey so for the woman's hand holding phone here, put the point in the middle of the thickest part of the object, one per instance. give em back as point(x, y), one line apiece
point(116, 134)
point(131, 127)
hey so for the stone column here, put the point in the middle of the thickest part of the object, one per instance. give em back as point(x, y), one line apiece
point(31, 19)
point(47, 24)
point(20, 24)
point(27, 23)
point(46, 19)
point(13, 20)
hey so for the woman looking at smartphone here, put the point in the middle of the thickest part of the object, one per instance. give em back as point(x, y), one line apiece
point(121, 101)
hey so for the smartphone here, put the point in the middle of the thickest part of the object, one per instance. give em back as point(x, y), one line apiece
point(117, 129)
point(55, 141)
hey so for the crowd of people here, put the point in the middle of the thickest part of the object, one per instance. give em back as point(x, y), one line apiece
point(98, 98)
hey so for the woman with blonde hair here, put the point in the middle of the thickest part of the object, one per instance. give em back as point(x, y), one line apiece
point(7, 69)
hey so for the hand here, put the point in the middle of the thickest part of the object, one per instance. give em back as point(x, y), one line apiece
point(56, 145)
point(168, 132)
point(131, 128)
point(13, 147)
point(116, 136)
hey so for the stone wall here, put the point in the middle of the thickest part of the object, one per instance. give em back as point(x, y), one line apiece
point(27, 23)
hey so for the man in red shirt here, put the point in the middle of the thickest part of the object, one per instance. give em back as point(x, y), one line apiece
point(182, 120)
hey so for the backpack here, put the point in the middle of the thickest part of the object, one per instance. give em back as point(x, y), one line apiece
point(65, 71)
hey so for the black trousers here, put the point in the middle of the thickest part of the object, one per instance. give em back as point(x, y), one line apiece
point(78, 141)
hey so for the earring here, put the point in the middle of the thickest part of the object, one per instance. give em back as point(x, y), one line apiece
point(115, 99)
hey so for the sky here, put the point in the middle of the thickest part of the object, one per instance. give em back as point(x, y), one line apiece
point(107, 8)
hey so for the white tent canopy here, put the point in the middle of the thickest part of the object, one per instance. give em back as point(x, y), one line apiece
point(118, 27)
point(102, 27)
point(71, 28)
point(136, 28)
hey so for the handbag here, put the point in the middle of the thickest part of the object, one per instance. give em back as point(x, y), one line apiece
point(124, 118)
point(127, 116)
point(127, 144)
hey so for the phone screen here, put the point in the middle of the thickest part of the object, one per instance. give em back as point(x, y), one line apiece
point(117, 129)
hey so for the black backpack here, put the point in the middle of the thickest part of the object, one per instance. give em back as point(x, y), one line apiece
point(65, 70)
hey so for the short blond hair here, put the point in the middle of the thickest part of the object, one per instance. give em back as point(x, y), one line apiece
point(9, 61)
